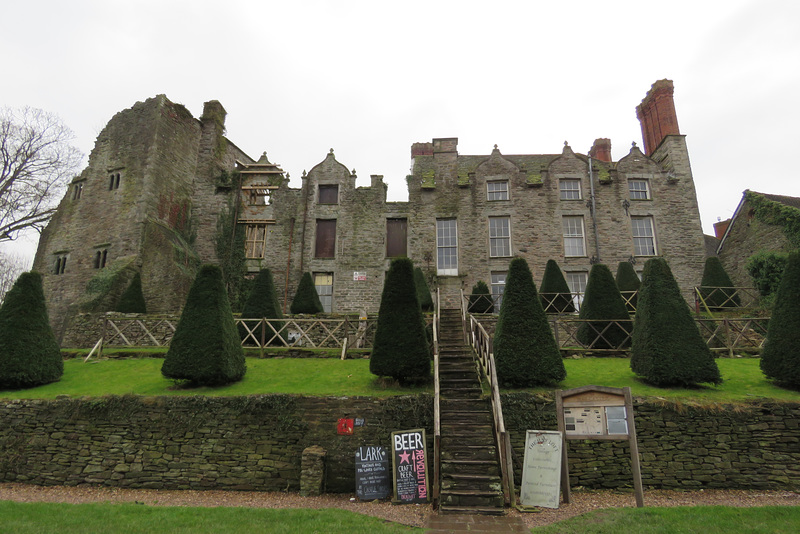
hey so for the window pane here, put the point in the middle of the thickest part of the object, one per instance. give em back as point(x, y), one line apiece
point(573, 236)
point(499, 237)
point(577, 286)
point(644, 243)
point(324, 284)
point(570, 189)
point(498, 287)
point(446, 247)
point(638, 189)
point(497, 190)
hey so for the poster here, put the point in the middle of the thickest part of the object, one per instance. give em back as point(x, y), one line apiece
point(410, 465)
point(541, 470)
point(372, 473)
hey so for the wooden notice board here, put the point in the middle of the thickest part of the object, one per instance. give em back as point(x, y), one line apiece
point(410, 466)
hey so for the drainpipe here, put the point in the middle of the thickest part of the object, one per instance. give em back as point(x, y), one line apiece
point(594, 216)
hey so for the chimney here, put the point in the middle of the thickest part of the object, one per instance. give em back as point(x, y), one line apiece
point(421, 149)
point(601, 150)
point(657, 115)
point(720, 228)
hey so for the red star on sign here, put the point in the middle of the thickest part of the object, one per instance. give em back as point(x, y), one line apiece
point(404, 457)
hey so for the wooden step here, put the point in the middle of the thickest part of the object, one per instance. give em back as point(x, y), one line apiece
point(478, 510)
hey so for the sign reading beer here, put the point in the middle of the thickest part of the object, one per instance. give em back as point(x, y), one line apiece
point(372, 473)
point(410, 466)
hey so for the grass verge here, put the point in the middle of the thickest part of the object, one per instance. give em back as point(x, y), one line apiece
point(24, 518)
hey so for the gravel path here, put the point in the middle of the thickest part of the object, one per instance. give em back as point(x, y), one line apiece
point(415, 515)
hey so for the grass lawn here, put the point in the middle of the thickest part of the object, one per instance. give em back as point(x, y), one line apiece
point(705, 519)
point(743, 380)
point(23, 518)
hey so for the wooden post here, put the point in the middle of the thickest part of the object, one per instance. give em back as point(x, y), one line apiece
point(103, 337)
point(565, 491)
point(635, 466)
point(263, 341)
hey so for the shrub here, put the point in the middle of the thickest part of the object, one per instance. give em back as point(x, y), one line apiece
point(766, 268)
point(400, 349)
point(132, 300)
point(780, 359)
point(262, 304)
point(716, 287)
point(603, 305)
point(525, 351)
point(628, 284)
point(555, 293)
point(667, 349)
point(480, 301)
point(423, 291)
point(29, 353)
point(306, 299)
point(205, 349)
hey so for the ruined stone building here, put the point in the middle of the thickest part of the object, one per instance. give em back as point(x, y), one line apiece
point(158, 187)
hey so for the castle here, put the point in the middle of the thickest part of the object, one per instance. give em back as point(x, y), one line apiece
point(160, 187)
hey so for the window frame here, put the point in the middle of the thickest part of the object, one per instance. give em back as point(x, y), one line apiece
point(563, 192)
point(325, 297)
point(502, 241)
point(252, 242)
point(632, 191)
point(578, 291)
point(498, 288)
point(639, 240)
point(573, 237)
point(322, 248)
point(397, 246)
point(492, 193)
point(448, 267)
point(330, 190)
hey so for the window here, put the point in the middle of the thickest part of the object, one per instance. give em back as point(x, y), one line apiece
point(325, 246)
point(570, 189)
point(113, 181)
point(498, 287)
point(329, 194)
point(255, 241)
point(573, 236)
point(446, 247)
point(77, 189)
point(396, 238)
point(61, 264)
point(577, 286)
point(644, 241)
point(258, 197)
point(324, 284)
point(639, 189)
point(100, 257)
point(499, 237)
point(497, 190)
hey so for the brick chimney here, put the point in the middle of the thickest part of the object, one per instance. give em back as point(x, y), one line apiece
point(601, 150)
point(657, 115)
point(720, 228)
point(421, 149)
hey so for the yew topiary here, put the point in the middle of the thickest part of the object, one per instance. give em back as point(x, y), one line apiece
point(423, 291)
point(604, 307)
point(132, 300)
point(780, 359)
point(306, 299)
point(262, 304)
point(480, 301)
point(525, 350)
point(29, 353)
point(554, 291)
point(400, 350)
point(205, 349)
point(717, 288)
point(667, 348)
point(628, 284)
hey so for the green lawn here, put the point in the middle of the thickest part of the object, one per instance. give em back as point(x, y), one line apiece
point(743, 380)
point(705, 519)
point(24, 518)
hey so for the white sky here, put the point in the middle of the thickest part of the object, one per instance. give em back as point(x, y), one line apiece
point(369, 78)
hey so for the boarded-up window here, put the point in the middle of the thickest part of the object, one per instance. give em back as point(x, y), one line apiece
point(396, 237)
point(255, 240)
point(324, 285)
point(328, 194)
point(326, 238)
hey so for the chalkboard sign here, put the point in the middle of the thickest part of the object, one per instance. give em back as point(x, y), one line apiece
point(372, 473)
point(541, 469)
point(410, 463)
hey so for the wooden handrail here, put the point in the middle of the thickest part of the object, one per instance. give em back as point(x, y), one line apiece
point(437, 424)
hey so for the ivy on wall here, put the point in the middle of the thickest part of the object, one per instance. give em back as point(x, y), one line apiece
point(229, 245)
point(775, 213)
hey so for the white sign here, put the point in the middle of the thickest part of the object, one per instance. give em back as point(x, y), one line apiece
point(360, 276)
point(541, 471)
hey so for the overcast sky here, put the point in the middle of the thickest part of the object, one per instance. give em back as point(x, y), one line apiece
point(369, 78)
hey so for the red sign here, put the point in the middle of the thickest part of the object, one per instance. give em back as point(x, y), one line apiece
point(345, 427)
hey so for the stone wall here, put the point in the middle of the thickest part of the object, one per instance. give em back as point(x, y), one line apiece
point(257, 442)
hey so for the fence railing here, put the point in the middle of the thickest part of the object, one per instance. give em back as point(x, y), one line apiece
point(718, 299)
point(437, 424)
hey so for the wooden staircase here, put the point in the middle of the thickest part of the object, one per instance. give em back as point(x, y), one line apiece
point(470, 472)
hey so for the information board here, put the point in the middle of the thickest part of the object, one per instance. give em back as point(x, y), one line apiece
point(372, 473)
point(541, 470)
point(410, 463)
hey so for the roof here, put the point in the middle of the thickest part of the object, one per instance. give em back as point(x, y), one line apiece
point(792, 202)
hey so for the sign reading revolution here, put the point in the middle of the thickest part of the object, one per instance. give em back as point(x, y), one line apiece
point(410, 466)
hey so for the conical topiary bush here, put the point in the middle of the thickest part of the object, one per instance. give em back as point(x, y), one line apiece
point(717, 288)
point(205, 349)
point(400, 350)
point(667, 348)
point(306, 299)
point(262, 303)
point(780, 359)
point(423, 290)
point(525, 350)
point(554, 291)
point(29, 353)
point(628, 284)
point(480, 300)
point(609, 326)
point(132, 300)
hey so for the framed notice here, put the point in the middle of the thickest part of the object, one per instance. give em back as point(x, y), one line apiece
point(541, 470)
point(372, 473)
point(410, 466)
